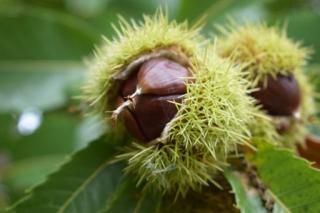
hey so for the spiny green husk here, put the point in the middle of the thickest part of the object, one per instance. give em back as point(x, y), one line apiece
point(133, 39)
point(262, 51)
point(262, 127)
point(211, 121)
point(170, 168)
point(215, 109)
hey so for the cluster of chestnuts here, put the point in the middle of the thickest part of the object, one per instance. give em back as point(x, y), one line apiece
point(187, 108)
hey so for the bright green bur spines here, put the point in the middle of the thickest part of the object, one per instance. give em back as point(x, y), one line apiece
point(211, 121)
point(134, 39)
point(264, 51)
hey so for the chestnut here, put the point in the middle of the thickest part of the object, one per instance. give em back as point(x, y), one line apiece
point(280, 96)
point(151, 92)
point(310, 150)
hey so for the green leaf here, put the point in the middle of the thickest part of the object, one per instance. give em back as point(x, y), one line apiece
point(86, 8)
point(284, 6)
point(128, 199)
point(247, 198)
point(291, 180)
point(29, 32)
point(32, 157)
point(25, 173)
point(37, 84)
point(88, 182)
point(80, 185)
point(189, 11)
point(57, 135)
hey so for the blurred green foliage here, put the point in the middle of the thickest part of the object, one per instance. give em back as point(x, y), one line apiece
point(43, 44)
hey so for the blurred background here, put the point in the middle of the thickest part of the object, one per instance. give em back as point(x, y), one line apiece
point(43, 46)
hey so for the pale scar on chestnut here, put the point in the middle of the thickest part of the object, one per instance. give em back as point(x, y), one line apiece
point(150, 92)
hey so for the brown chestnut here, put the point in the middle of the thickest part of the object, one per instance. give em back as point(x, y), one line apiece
point(280, 97)
point(150, 92)
point(310, 150)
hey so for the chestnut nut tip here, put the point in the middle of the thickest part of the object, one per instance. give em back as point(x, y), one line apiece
point(281, 96)
point(145, 98)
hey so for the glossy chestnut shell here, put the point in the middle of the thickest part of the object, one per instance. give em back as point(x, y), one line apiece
point(280, 97)
point(310, 150)
point(151, 90)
